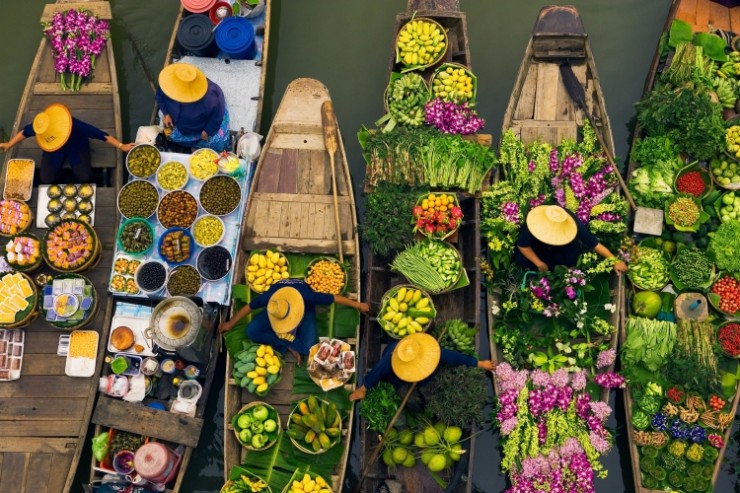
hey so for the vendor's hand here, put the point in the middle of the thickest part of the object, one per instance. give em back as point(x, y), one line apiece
point(167, 121)
point(204, 135)
point(358, 394)
point(4, 146)
point(542, 267)
point(224, 327)
point(487, 365)
point(127, 147)
point(620, 267)
point(364, 307)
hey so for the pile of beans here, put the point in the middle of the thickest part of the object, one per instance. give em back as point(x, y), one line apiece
point(138, 198)
point(220, 195)
point(214, 263)
point(172, 176)
point(136, 237)
point(177, 209)
point(208, 230)
point(151, 276)
point(143, 161)
point(184, 281)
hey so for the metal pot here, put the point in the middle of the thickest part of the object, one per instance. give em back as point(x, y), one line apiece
point(175, 323)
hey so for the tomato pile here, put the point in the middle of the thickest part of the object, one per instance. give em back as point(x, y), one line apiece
point(728, 289)
point(729, 339)
point(716, 402)
point(436, 215)
point(691, 182)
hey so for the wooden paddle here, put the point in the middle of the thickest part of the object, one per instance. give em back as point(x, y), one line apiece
point(328, 121)
point(576, 92)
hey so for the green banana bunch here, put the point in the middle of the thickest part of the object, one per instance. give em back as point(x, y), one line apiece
point(407, 96)
point(725, 90)
point(728, 69)
point(459, 337)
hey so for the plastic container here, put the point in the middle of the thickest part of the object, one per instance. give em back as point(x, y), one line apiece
point(220, 11)
point(186, 234)
point(197, 6)
point(235, 38)
point(156, 463)
point(145, 225)
point(195, 35)
point(114, 385)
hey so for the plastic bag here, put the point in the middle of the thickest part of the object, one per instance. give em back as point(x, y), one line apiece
point(147, 134)
point(248, 146)
point(100, 446)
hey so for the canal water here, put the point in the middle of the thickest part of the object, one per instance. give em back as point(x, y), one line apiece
point(346, 44)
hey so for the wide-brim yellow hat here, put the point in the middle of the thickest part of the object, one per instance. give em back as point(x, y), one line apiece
point(183, 82)
point(552, 225)
point(285, 310)
point(416, 357)
point(53, 126)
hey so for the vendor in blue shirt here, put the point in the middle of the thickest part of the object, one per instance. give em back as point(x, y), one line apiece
point(554, 236)
point(193, 108)
point(63, 138)
point(413, 359)
point(288, 321)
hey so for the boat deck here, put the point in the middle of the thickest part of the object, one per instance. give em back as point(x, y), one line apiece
point(44, 415)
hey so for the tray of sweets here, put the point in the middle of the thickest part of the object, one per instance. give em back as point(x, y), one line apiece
point(122, 279)
point(65, 201)
point(19, 179)
point(11, 353)
point(82, 353)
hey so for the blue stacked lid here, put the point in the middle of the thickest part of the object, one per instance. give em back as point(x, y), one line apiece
point(235, 38)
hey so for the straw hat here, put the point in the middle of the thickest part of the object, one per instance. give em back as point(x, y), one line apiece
point(53, 126)
point(183, 82)
point(552, 225)
point(415, 357)
point(285, 310)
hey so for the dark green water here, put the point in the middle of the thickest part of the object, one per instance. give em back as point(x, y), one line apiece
point(346, 44)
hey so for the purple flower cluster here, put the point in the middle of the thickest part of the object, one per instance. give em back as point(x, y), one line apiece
point(609, 380)
point(606, 358)
point(564, 470)
point(77, 38)
point(697, 434)
point(452, 118)
point(537, 201)
point(510, 211)
point(679, 429)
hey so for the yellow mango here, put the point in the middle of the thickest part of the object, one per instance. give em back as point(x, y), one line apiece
point(273, 370)
point(262, 262)
point(262, 387)
point(252, 374)
point(260, 361)
point(252, 268)
point(261, 371)
point(269, 350)
point(258, 380)
point(261, 351)
point(284, 275)
point(276, 277)
point(281, 261)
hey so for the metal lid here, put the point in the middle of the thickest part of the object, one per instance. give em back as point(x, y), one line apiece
point(152, 460)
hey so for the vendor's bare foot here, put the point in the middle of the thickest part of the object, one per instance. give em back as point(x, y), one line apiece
point(358, 394)
point(296, 355)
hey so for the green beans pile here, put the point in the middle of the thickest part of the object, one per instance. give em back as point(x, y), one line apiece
point(431, 264)
point(649, 268)
point(143, 161)
point(184, 281)
point(138, 198)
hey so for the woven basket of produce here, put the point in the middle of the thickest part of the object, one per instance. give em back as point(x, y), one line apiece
point(308, 415)
point(728, 337)
point(724, 295)
point(23, 252)
point(258, 368)
point(303, 481)
point(404, 98)
point(684, 212)
point(694, 180)
point(15, 217)
point(256, 426)
point(326, 275)
point(70, 246)
point(437, 215)
point(434, 265)
point(264, 268)
point(649, 269)
point(420, 43)
point(246, 483)
point(454, 82)
point(725, 172)
point(404, 310)
point(20, 300)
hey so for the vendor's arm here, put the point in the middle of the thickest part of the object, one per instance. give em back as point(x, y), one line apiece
point(216, 108)
point(455, 358)
point(357, 305)
point(382, 369)
point(162, 102)
point(619, 266)
point(227, 326)
point(16, 139)
point(529, 254)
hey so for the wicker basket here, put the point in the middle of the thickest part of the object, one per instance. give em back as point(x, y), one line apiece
point(90, 313)
point(27, 268)
point(91, 262)
point(345, 284)
point(386, 299)
point(272, 411)
point(30, 221)
point(714, 300)
point(33, 307)
point(468, 72)
point(706, 177)
point(228, 484)
point(730, 186)
point(246, 267)
point(720, 345)
point(299, 474)
point(455, 203)
point(459, 274)
point(440, 55)
point(301, 446)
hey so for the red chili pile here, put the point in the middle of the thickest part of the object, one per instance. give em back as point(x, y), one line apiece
point(728, 289)
point(676, 395)
point(691, 182)
point(729, 339)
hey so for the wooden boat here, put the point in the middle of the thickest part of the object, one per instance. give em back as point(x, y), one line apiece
point(540, 109)
point(245, 100)
point(291, 209)
point(463, 304)
point(45, 414)
point(702, 16)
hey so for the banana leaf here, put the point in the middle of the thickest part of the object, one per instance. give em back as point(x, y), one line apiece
point(271, 465)
point(303, 385)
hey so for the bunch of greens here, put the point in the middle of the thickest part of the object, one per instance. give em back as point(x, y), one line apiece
point(693, 363)
point(456, 396)
point(689, 113)
point(681, 69)
point(648, 346)
point(124, 440)
point(691, 268)
point(724, 246)
point(387, 215)
point(650, 151)
point(379, 406)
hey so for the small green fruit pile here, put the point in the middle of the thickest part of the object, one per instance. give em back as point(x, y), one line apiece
point(257, 427)
point(725, 171)
point(458, 336)
point(438, 446)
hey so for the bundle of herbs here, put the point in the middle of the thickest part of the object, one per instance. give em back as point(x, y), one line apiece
point(379, 406)
point(424, 155)
point(724, 246)
point(693, 362)
point(385, 228)
point(456, 395)
point(691, 269)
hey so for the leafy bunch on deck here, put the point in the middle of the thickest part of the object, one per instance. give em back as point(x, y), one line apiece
point(386, 226)
point(456, 395)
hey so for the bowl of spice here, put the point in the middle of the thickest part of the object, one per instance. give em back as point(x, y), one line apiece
point(136, 236)
point(208, 230)
point(220, 195)
point(172, 176)
point(143, 160)
point(177, 209)
point(693, 180)
point(184, 280)
point(138, 198)
point(151, 276)
point(203, 164)
point(685, 213)
point(176, 246)
point(214, 263)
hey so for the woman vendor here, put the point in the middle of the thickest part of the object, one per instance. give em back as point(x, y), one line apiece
point(289, 319)
point(62, 138)
point(413, 359)
point(193, 108)
point(554, 236)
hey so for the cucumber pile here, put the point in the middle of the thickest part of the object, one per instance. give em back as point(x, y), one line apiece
point(257, 368)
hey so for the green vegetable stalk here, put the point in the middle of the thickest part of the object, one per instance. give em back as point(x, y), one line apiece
point(379, 406)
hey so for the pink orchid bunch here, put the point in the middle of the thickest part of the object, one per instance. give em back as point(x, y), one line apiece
point(77, 38)
point(452, 118)
point(565, 469)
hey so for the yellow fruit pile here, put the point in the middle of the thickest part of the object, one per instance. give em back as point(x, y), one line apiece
point(453, 84)
point(732, 136)
point(245, 485)
point(326, 276)
point(265, 269)
point(420, 42)
point(439, 203)
point(308, 484)
point(405, 312)
point(257, 369)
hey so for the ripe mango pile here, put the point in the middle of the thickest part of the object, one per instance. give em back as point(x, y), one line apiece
point(315, 424)
point(245, 485)
point(407, 311)
point(257, 369)
point(309, 484)
point(420, 42)
point(265, 269)
point(453, 84)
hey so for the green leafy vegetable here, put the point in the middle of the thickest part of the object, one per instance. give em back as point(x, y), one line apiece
point(456, 395)
point(649, 343)
point(691, 268)
point(649, 268)
point(724, 246)
point(680, 32)
point(713, 46)
point(379, 406)
point(387, 214)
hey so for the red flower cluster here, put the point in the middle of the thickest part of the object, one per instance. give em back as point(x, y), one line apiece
point(728, 289)
point(691, 182)
point(436, 223)
point(729, 339)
